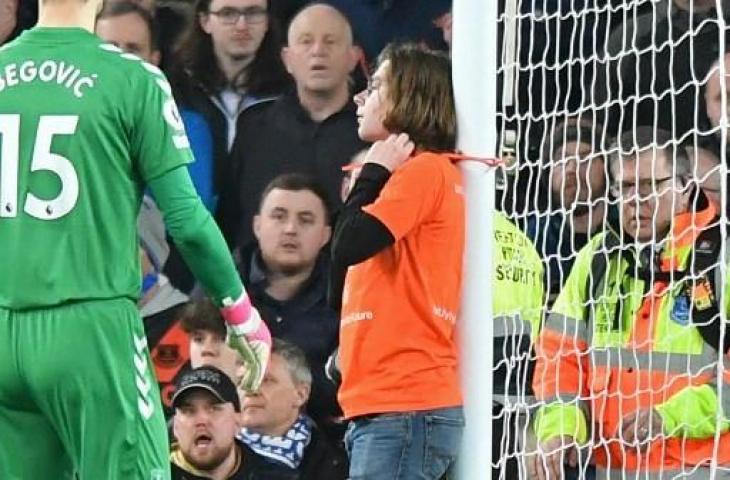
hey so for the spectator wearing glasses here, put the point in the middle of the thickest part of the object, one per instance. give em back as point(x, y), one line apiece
point(230, 57)
point(401, 233)
point(310, 130)
point(636, 330)
point(229, 60)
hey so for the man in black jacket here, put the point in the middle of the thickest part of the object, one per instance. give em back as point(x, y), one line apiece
point(311, 130)
point(227, 61)
point(287, 276)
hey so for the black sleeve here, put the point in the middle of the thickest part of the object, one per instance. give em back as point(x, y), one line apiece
point(359, 235)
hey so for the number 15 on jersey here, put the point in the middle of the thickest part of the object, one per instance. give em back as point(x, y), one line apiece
point(43, 160)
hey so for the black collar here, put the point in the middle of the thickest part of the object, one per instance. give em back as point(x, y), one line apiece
point(291, 104)
point(312, 292)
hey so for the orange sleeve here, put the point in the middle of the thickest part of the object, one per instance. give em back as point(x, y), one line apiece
point(560, 367)
point(410, 195)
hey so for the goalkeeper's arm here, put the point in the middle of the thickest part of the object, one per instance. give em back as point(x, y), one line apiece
point(205, 251)
point(196, 235)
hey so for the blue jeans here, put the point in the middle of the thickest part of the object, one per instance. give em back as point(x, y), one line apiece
point(412, 445)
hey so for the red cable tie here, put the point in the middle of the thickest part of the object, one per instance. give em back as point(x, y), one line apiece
point(454, 157)
point(488, 161)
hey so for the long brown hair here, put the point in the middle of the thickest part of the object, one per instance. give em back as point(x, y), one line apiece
point(422, 95)
point(194, 57)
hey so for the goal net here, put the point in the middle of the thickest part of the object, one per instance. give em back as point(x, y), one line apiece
point(611, 119)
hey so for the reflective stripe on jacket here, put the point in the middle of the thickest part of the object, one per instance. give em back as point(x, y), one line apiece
point(517, 303)
point(587, 368)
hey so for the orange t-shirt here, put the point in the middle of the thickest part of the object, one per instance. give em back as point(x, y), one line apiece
point(398, 348)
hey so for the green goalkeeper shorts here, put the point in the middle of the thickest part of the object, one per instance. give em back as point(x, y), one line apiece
point(78, 397)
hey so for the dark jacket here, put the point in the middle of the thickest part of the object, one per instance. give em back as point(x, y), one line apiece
point(192, 95)
point(250, 466)
point(653, 77)
point(209, 142)
point(321, 462)
point(305, 320)
point(280, 137)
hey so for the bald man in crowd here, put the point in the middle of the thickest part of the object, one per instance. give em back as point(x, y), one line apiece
point(312, 129)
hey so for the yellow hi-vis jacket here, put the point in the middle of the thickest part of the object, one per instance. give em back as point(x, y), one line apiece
point(600, 359)
point(517, 303)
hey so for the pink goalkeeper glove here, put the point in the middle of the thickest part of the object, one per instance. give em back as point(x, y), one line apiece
point(250, 337)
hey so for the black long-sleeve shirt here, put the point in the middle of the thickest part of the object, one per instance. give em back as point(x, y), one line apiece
point(358, 235)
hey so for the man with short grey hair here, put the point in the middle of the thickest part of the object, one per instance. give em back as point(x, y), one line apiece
point(275, 425)
point(651, 174)
point(641, 295)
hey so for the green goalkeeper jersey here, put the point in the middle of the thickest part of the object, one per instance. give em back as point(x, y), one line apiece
point(83, 126)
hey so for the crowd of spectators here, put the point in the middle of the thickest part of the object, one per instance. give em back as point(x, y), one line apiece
point(624, 156)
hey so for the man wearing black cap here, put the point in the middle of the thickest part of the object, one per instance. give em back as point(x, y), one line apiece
point(207, 418)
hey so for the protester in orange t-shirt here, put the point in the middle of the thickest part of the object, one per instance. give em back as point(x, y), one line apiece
point(401, 234)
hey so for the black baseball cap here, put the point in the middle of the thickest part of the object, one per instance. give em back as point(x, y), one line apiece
point(210, 379)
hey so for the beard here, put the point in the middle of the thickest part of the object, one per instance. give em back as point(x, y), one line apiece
point(210, 462)
point(285, 264)
point(290, 269)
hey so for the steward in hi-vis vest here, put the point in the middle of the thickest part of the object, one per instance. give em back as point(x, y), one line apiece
point(627, 358)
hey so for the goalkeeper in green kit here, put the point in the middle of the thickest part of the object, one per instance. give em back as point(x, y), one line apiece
point(84, 128)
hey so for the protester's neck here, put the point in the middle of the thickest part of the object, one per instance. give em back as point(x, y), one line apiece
point(232, 68)
point(282, 286)
point(225, 469)
point(64, 15)
point(321, 105)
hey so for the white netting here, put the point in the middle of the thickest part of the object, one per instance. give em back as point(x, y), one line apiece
point(611, 121)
